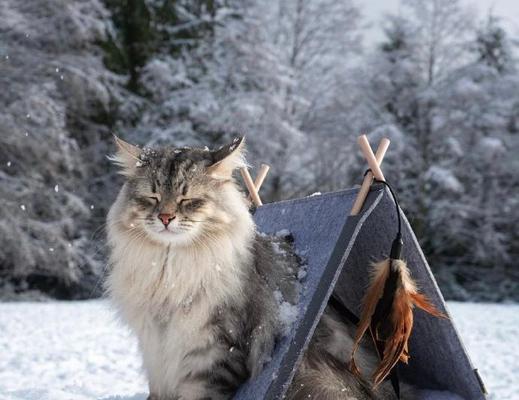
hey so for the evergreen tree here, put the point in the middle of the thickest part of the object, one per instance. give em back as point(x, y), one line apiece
point(492, 45)
point(57, 106)
point(451, 142)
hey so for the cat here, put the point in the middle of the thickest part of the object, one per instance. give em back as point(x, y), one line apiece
point(198, 285)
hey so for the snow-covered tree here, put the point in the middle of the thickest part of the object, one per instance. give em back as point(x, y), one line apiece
point(55, 98)
point(319, 41)
point(476, 112)
point(451, 122)
point(293, 77)
point(493, 45)
point(268, 70)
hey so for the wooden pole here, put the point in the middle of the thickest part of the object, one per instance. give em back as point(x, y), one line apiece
point(370, 157)
point(368, 179)
point(250, 187)
point(264, 170)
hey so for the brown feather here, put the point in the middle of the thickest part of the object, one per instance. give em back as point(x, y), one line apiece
point(422, 302)
point(373, 293)
point(400, 319)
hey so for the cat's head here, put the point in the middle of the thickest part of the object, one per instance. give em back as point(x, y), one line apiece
point(178, 195)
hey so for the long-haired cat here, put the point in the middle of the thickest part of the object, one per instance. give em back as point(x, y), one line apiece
point(196, 283)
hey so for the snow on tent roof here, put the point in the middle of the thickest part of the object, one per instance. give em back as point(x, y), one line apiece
point(338, 250)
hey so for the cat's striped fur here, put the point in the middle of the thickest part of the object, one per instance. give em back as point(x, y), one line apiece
point(199, 292)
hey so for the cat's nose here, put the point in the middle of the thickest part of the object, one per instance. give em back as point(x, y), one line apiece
point(166, 218)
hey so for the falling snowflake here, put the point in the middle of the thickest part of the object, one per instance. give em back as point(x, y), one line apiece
point(56, 188)
point(22, 206)
point(51, 249)
point(28, 115)
point(7, 57)
point(91, 206)
point(26, 133)
point(57, 69)
point(8, 163)
point(61, 77)
point(231, 349)
point(138, 164)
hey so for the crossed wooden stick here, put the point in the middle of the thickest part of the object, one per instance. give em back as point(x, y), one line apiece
point(374, 162)
point(254, 187)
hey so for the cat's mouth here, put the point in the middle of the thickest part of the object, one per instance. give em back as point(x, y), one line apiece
point(176, 232)
point(171, 231)
point(175, 235)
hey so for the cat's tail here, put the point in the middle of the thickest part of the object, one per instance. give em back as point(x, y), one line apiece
point(324, 374)
point(321, 379)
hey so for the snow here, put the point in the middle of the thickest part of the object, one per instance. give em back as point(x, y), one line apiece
point(66, 351)
point(301, 274)
point(287, 312)
point(283, 233)
point(492, 143)
point(444, 177)
point(78, 351)
point(490, 332)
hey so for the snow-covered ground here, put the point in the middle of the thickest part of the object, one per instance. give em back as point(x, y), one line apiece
point(78, 351)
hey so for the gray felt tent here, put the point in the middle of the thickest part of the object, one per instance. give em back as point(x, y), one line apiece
point(338, 249)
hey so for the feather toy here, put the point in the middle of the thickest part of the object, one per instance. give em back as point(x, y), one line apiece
point(387, 311)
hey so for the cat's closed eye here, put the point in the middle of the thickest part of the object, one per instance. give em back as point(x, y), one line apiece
point(185, 201)
point(153, 198)
point(191, 203)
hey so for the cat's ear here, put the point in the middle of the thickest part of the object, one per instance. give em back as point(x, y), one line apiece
point(126, 157)
point(227, 158)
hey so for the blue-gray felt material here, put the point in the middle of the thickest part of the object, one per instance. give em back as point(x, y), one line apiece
point(338, 251)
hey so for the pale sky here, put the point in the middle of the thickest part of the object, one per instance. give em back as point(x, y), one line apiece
point(374, 10)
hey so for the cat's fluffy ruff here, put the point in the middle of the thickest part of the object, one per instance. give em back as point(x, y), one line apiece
point(153, 286)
